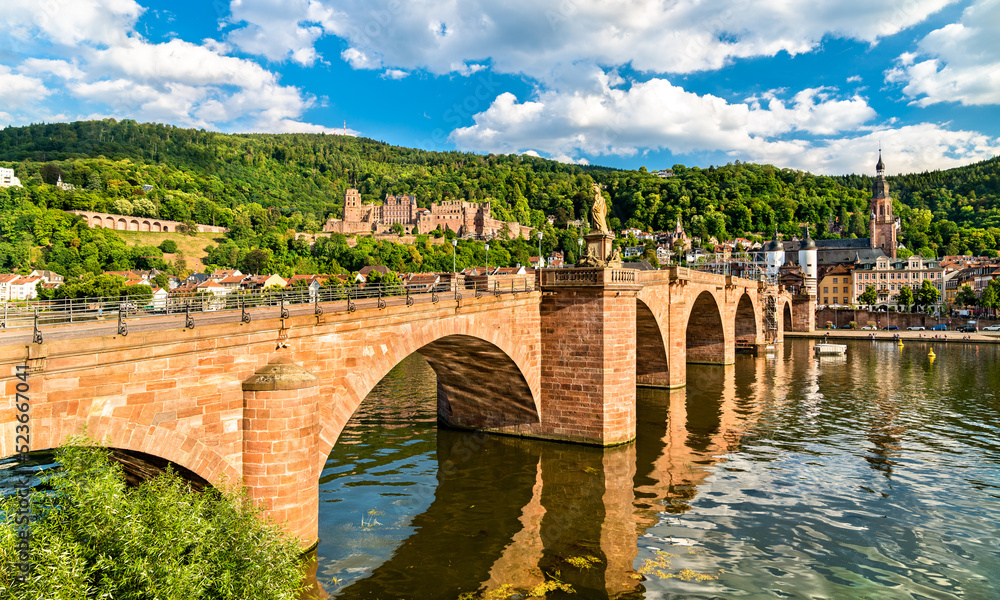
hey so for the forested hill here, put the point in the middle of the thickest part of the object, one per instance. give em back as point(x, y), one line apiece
point(264, 187)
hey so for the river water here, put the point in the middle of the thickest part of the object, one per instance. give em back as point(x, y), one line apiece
point(874, 476)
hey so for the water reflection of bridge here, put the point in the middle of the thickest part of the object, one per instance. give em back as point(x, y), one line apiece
point(488, 527)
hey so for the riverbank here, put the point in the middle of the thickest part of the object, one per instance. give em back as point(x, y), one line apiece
point(922, 336)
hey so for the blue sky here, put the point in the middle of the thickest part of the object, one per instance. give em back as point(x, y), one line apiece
point(808, 84)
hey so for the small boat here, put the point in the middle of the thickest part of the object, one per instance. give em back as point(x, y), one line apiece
point(826, 349)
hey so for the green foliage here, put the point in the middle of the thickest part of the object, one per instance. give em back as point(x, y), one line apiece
point(168, 246)
point(926, 295)
point(266, 187)
point(869, 297)
point(94, 537)
point(905, 296)
point(966, 297)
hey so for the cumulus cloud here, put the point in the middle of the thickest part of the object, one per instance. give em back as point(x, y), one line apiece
point(17, 91)
point(653, 114)
point(537, 37)
point(67, 22)
point(813, 130)
point(957, 63)
point(279, 29)
point(94, 55)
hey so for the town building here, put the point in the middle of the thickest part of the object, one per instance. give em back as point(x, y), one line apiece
point(466, 219)
point(890, 276)
point(835, 288)
point(7, 178)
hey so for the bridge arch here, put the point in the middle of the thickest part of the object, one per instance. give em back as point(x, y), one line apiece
point(486, 380)
point(786, 317)
point(154, 440)
point(652, 366)
point(705, 334)
point(745, 323)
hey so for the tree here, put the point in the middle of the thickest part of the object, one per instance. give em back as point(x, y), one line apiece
point(257, 260)
point(905, 297)
point(869, 296)
point(160, 539)
point(927, 295)
point(168, 246)
point(990, 298)
point(966, 297)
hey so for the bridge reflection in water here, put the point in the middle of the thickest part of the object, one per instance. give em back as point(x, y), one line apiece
point(510, 511)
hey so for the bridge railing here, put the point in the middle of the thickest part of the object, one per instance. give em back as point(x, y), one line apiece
point(21, 317)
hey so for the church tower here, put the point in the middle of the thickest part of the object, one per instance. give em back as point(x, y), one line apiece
point(882, 227)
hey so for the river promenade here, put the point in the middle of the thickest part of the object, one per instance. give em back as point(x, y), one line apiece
point(923, 336)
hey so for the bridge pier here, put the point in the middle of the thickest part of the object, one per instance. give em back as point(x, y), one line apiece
point(281, 461)
point(803, 312)
point(588, 355)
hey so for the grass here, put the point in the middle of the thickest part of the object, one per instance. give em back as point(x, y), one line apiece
point(189, 247)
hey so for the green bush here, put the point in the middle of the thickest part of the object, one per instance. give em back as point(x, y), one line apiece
point(168, 246)
point(94, 537)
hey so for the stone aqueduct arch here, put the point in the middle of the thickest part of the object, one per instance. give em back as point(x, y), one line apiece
point(121, 223)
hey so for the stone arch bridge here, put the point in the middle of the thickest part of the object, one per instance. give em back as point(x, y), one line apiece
point(264, 402)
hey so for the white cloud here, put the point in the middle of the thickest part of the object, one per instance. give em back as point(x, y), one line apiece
point(18, 91)
point(539, 37)
point(963, 63)
point(68, 22)
point(95, 56)
point(653, 114)
point(279, 29)
point(60, 68)
point(394, 74)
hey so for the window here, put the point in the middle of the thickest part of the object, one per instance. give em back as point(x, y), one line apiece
point(835, 289)
point(826, 300)
point(835, 281)
point(826, 290)
point(845, 300)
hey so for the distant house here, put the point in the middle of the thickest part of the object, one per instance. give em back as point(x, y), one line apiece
point(5, 280)
point(159, 299)
point(23, 288)
point(537, 262)
point(259, 282)
point(232, 282)
point(312, 282)
point(212, 287)
point(197, 278)
point(220, 274)
point(48, 276)
point(632, 251)
point(366, 271)
point(556, 259)
point(421, 282)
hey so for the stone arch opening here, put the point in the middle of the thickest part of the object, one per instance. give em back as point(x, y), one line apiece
point(109, 222)
point(651, 365)
point(479, 385)
point(156, 226)
point(786, 317)
point(133, 225)
point(705, 336)
point(145, 226)
point(746, 320)
point(122, 225)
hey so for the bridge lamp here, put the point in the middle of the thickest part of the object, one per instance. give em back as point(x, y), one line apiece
point(579, 242)
point(454, 246)
point(539, 249)
point(487, 259)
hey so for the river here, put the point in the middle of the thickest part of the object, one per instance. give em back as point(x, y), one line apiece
point(874, 476)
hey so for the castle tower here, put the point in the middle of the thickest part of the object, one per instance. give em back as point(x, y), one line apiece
point(882, 227)
point(809, 264)
point(352, 206)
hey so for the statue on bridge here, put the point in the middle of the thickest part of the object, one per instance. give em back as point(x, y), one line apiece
point(599, 253)
point(599, 210)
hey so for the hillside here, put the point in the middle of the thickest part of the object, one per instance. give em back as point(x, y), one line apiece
point(266, 187)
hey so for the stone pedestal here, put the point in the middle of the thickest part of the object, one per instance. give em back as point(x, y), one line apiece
point(803, 312)
point(280, 438)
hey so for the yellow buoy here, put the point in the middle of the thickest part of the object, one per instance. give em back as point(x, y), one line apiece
point(931, 354)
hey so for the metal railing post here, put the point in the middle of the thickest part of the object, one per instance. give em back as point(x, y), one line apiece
point(284, 311)
point(36, 335)
point(188, 319)
point(381, 302)
point(122, 312)
point(244, 315)
point(317, 310)
point(350, 302)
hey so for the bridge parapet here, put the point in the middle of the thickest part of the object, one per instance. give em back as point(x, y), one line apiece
point(588, 277)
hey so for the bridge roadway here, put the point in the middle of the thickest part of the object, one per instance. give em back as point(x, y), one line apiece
point(265, 401)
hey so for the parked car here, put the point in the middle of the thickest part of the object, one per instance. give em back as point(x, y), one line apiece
point(967, 329)
point(869, 328)
point(940, 327)
point(915, 328)
point(991, 328)
point(891, 328)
